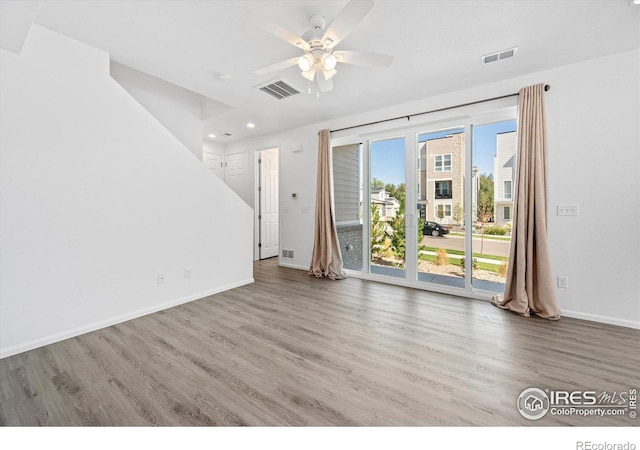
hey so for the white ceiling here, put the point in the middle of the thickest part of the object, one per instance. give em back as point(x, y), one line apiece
point(437, 47)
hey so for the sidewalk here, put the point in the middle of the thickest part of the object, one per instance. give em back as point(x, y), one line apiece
point(494, 237)
point(483, 260)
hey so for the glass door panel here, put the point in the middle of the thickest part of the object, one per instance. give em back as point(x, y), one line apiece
point(441, 206)
point(387, 207)
point(347, 189)
point(494, 153)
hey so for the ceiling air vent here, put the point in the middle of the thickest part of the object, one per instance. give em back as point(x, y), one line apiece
point(278, 89)
point(499, 56)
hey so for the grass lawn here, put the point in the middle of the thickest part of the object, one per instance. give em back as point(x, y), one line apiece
point(460, 252)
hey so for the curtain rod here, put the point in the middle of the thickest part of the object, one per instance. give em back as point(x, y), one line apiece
point(409, 116)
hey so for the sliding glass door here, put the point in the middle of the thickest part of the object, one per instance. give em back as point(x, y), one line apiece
point(494, 153)
point(431, 205)
point(387, 207)
point(440, 185)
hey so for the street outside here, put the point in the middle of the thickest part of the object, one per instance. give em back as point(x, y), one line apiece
point(491, 246)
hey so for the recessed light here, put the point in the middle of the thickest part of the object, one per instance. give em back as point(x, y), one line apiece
point(212, 135)
point(251, 125)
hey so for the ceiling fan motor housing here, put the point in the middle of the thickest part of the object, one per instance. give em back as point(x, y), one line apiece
point(318, 21)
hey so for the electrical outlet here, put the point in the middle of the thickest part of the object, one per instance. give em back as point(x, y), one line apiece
point(563, 282)
point(161, 278)
point(187, 273)
point(567, 210)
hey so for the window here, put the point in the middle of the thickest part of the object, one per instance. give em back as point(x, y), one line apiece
point(443, 189)
point(443, 163)
point(506, 213)
point(507, 189)
point(443, 211)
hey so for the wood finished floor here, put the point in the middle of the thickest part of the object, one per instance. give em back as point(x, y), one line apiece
point(291, 349)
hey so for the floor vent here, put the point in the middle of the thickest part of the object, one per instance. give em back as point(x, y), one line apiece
point(499, 56)
point(287, 253)
point(278, 89)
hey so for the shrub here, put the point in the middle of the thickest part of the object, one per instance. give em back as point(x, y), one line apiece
point(496, 231)
point(502, 269)
point(441, 258)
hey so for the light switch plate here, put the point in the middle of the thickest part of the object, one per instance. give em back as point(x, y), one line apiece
point(567, 210)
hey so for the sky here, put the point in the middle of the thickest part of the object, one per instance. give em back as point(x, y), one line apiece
point(387, 157)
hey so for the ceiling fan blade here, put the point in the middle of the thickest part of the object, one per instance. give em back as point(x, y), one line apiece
point(364, 58)
point(346, 20)
point(277, 66)
point(277, 30)
point(324, 84)
point(286, 35)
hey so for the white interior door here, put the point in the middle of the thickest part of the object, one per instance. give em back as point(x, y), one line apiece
point(236, 173)
point(214, 162)
point(268, 208)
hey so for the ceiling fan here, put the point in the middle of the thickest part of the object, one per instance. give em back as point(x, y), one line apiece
point(320, 57)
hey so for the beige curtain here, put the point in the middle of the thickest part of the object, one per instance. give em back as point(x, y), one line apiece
point(326, 260)
point(529, 288)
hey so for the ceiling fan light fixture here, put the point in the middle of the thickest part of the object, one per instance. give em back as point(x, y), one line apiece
point(308, 75)
point(305, 62)
point(329, 62)
point(329, 73)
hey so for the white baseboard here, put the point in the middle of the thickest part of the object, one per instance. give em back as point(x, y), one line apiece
point(601, 319)
point(293, 266)
point(40, 342)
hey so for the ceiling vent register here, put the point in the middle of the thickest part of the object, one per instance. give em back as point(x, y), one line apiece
point(499, 56)
point(278, 89)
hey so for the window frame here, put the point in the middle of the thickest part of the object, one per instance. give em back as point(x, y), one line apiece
point(437, 191)
point(504, 190)
point(442, 165)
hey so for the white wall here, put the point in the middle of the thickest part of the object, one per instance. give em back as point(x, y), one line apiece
point(297, 175)
point(213, 147)
point(96, 198)
point(593, 144)
point(178, 109)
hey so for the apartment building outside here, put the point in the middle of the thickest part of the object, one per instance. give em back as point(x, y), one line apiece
point(441, 177)
point(504, 177)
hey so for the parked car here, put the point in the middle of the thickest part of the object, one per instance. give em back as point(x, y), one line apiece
point(434, 229)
